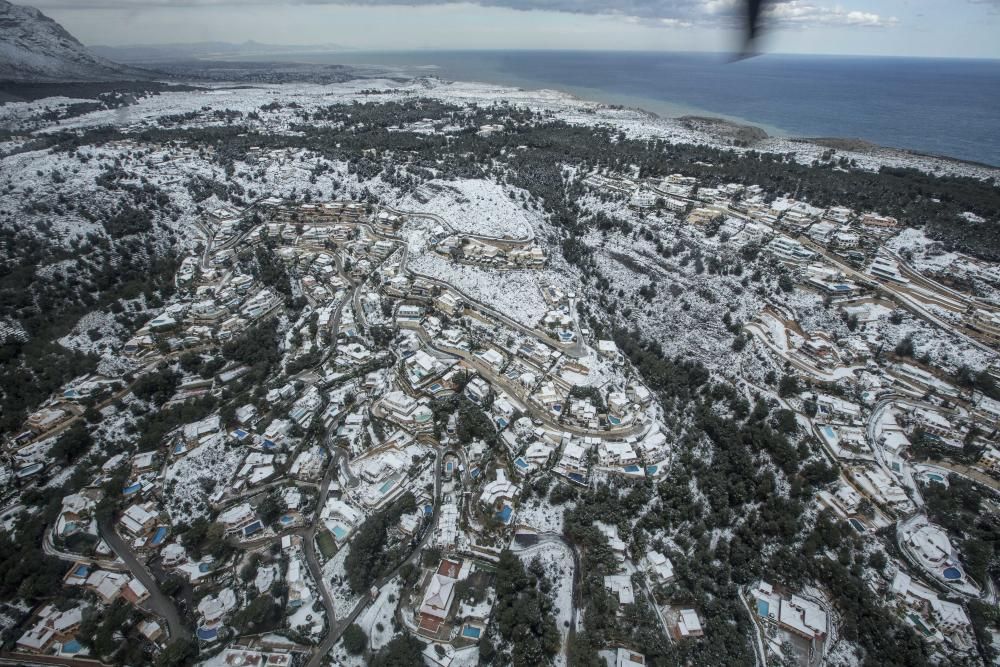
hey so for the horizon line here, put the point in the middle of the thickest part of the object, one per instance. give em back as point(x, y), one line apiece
point(324, 48)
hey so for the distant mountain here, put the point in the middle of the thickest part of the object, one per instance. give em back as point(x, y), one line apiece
point(33, 47)
point(156, 53)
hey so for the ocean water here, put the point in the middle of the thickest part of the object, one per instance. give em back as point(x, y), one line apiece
point(941, 106)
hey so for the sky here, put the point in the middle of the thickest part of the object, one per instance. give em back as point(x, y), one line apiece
point(935, 28)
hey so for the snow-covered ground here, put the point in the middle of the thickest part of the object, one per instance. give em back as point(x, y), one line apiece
point(475, 206)
point(192, 478)
point(557, 559)
point(516, 294)
point(335, 580)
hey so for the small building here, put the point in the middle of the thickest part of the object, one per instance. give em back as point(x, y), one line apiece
point(689, 625)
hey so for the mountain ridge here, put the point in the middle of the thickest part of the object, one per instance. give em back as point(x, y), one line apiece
point(34, 47)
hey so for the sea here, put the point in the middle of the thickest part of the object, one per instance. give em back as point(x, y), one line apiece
point(948, 107)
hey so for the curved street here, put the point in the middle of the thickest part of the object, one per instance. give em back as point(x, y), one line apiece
point(158, 603)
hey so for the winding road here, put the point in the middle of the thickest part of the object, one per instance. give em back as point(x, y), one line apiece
point(157, 602)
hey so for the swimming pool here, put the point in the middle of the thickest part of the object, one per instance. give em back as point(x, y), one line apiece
point(651, 470)
point(158, 536)
point(471, 632)
point(388, 484)
point(952, 573)
point(829, 432)
point(286, 520)
point(207, 634)
point(131, 488)
point(521, 463)
point(763, 607)
point(632, 468)
point(505, 514)
point(339, 532)
point(72, 646)
point(614, 421)
point(934, 477)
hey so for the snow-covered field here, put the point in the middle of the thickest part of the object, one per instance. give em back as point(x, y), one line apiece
point(516, 294)
point(335, 580)
point(211, 465)
point(475, 206)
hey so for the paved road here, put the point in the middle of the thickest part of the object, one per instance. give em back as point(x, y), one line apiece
point(309, 546)
point(50, 550)
point(158, 603)
point(506, 385)
point(337, 627)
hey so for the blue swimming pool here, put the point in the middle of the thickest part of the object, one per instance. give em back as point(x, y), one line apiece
point(388, 484)
point(207, 634)
point(253, 528)
point(505, 514)
point(339, 532)
point(952, 573)
point(72, 646)
point(158, 536)
point(204, 567)
point(829, 432)
point(651, 470)
point(614, 421)
point(81, 571)
point(763, 607)
point(286, 520)
point(632, 468)
point(131, 488)
point(521, 463)
point(471, 632)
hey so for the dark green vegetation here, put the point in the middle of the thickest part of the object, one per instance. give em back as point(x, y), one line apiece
point(959, 509)
point(133, 263)
point(523, 613)
point(403, 651)
point(355, 640)
point(371, 557)
point(741, 497)
point(16, 91)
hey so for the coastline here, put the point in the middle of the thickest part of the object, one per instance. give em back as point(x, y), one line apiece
point(768, 92)
point(773, 143)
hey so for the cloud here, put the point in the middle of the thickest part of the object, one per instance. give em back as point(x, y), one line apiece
point(661, 13)
point(796, 13)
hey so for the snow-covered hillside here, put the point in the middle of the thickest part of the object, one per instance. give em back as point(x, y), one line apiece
point(33, 47)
